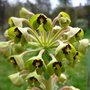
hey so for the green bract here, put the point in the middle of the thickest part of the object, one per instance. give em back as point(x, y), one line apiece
point(18, 34)
point(34, 79)
point(14, 21)
point(6, 48)
point(55, 67)
point(74, 34)
point(36, 63)
point(17, 61)
point(40, 20)
point(16, 79)
point(24, 13)
point(40, 50)
point(64, 19)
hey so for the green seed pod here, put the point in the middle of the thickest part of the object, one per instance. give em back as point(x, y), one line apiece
point(24, 13)
point(17, 61)
point(40, 20)
point(34, 79)
point(55, 66)
point(18, 22)
point(36, 63)
point(16, 79)
point(64, 19)
point(83, 44)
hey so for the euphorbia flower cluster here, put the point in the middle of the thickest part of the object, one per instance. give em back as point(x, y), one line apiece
point(39, 49)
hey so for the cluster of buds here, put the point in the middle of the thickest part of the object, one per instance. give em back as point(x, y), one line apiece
point(39, 49)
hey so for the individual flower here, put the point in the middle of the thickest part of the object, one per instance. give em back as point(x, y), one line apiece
point(40, 21)
point(19, 34)
point(16, 79)
point(18, 22)
point(65, 51)
point(17, 61)
point(36, 63)
point(74, 34)
point(55, 67)
point(34, 80)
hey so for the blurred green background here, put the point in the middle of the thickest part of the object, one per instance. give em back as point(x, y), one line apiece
point(80, 16)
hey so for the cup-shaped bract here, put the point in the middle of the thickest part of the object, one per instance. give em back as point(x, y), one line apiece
point(19, 34)
point(69, 51)
point(24, 13)
point(17, 61)
point(25, 38)
point(64, 19)
point(74, 34)
point(59, 53)
point(34, 79)
point(16, 79)
point(35, 63)
point(6, 48)
point(65, 51)
point(55, 67)
point(18, 22)
point(38, 20)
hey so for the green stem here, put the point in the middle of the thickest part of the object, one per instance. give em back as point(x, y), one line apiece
point(44, 38)
point(57, 35)
point(55, 20)
point(49, 84)
point(36, 36)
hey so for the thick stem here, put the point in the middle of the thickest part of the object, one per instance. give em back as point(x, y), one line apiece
point(49, 84)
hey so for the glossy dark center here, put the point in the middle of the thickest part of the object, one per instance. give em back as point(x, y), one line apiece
point(12, 60)
point(33, 79)
point(41, 19)
point(67, 49)
point(57, 65)
point(18, 33)
point(38, 63)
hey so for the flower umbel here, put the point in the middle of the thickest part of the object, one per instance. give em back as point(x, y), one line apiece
point(40, 50)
